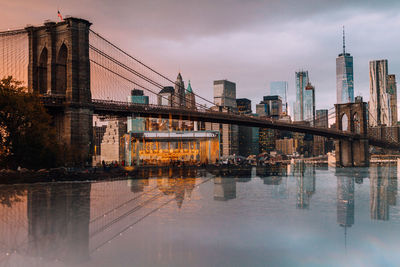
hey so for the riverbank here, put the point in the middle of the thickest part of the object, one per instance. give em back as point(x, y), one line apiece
point(143, 172)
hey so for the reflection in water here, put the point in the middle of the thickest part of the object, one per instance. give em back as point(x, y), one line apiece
point(305, 184)
point(383, 191)
point(68, 222)
point(138, 185)
point(180, 187)
point(58, 222)
point(345, 200)
point(224, 188)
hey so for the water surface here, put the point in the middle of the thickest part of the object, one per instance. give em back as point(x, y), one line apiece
point(295, 215)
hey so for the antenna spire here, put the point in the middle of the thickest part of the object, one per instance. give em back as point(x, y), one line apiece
point(344, 43)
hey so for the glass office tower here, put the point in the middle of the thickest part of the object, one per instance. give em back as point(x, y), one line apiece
point(301, 83)
point(280, 88)
point(344, 77)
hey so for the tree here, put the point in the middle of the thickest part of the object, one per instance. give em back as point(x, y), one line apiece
point(26, 136)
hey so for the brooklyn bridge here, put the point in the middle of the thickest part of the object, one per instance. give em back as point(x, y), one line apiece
point(80, 74)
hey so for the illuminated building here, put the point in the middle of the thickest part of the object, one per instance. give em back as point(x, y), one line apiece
point(168, 141)
point(165, 148)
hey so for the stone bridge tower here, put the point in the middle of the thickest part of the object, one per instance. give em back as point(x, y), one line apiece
point(352, 117)
point(59, 67)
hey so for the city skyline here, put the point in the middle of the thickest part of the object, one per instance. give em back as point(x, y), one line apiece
point(263, 47)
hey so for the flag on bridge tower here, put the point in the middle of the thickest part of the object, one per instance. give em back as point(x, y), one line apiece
point(59, 15)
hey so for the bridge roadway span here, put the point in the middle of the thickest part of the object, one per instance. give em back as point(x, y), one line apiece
point(125, 109)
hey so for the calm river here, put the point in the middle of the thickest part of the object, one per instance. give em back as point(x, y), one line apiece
point(293, 215)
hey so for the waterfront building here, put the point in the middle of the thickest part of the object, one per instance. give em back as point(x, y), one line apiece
point(165, 141)
point(304, 108)
point(280, 88)
point(392, 90)
point(111, 144)
point(344, 77)
point(224, 100)
point(166, 148)
point(379, 101)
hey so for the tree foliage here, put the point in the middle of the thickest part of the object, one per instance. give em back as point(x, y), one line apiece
point(26, 136)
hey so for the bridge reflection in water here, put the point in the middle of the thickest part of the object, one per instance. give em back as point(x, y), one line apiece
point(66, 223)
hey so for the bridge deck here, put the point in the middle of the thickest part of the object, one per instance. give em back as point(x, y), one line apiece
point(124, 109)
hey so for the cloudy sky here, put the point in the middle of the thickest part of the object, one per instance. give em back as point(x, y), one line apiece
point(248, 42)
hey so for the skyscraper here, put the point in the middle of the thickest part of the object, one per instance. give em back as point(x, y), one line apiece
point(304, 109)
point(280, 88)
point(190, 99)
point(225, 93)
point(392, 90)
point(344, 77)
point(379, 101)
point(224, 100)
point(179, 97)
point(309, 104)
point(301, 83)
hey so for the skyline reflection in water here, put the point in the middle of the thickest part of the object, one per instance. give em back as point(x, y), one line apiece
point(287, 215)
